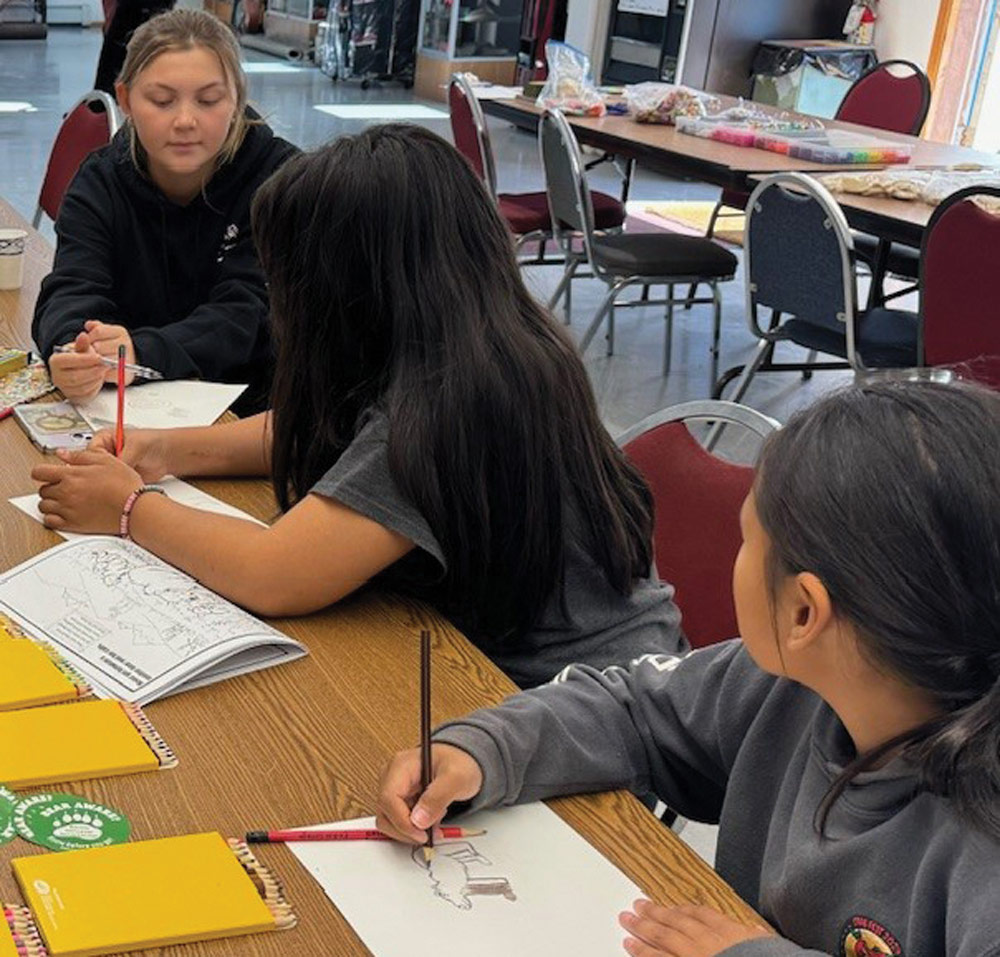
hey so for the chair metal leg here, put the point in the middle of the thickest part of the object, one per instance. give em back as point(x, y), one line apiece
point(610, 351)
point(878, 267)
point(765, 349)
point(568, 304)
point(807, 373)
point(668, 343)
point(627, 179)
point(710, 231)
point(563, 287)
point(645, 294)
point(595, 323)
point(716, 328)
point(692, 292)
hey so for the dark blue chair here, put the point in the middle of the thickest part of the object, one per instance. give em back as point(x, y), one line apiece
point(799, 264)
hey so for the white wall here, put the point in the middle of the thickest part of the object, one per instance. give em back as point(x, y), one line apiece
point(904, 29)
point(586, 23)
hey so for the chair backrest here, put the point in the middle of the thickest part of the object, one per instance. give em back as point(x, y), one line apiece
point(893, 95)
point(109, 7)
point(469, 130)
point(697, 500)
point(960, 323)
point(570, 204)
point(799, 255)
point(89, 125)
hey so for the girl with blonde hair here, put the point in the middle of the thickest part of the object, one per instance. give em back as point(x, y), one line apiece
point(154, 249)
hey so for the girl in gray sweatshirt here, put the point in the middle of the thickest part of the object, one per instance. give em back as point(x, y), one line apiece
point(849, 745)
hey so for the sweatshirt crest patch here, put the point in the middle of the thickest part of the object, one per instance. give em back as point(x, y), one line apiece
point(864, 937)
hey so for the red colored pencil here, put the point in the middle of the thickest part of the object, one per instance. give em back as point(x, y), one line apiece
point(120, 424)
point(365, 834)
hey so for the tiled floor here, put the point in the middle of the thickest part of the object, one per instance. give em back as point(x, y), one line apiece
point(52, 74)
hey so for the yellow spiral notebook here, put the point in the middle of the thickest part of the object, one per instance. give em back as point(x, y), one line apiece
point(125, 897)
point(33, 673)
point(74, 742)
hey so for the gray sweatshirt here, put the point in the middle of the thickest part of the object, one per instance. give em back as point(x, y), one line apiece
point(721, 741)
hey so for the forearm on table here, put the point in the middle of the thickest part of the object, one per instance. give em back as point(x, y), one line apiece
point(315, 554)
point(221, 552)
point(241, 448)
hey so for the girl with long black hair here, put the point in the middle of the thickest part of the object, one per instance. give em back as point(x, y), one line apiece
point(849, 745)
point(431, 426)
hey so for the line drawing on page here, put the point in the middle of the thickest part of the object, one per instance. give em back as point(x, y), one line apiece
point(449, 874)
point(122, 610)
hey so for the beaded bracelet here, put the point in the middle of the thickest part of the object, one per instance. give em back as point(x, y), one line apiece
point(130, 504)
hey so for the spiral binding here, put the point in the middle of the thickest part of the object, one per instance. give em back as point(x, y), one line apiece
point(269, 885)
point(12, 629)
point(150, 735)
point(83, 689)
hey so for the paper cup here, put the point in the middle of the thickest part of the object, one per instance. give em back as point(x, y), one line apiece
point(12, 257)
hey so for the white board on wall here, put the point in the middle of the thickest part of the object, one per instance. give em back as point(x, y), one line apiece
point(652, 8)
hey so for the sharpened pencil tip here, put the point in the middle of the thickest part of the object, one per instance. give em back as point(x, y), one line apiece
point(473, 832)
point(428, 854)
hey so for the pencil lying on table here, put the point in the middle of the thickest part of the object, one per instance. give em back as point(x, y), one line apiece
point(140, 372)
point(363, 834)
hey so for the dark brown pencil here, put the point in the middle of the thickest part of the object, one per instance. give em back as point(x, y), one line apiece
point(425, 728)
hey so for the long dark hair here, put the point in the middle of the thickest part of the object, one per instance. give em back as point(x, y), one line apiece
point(890, 494)
point(393, 284)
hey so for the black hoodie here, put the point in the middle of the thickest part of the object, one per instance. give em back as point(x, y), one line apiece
point(184, 280)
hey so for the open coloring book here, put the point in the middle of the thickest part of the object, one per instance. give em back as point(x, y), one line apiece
point(137, 628)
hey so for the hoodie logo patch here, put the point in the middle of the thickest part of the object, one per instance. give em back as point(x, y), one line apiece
point(229, 239)
point(864, 937)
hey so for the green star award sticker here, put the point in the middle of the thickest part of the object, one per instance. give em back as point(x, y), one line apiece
point(66, 822)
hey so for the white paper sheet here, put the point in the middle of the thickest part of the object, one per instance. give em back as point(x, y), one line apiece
point(381, 111)
point(496, 92)
point(531, 887)
point(162, 405)
point(134, 626)
point(177, 490)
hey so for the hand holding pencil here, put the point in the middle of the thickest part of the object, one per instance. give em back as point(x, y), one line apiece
point(405, 810)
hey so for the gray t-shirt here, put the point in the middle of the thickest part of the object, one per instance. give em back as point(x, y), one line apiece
point(603, 627)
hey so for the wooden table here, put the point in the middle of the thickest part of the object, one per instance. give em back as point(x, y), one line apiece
point(17, 305)
point(305, 742)
point(664, 149)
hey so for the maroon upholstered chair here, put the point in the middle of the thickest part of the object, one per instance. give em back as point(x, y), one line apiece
point(109, 7)
point(960, 321)
point(894, 95)
point(697, 498)
point(527, 214)
point(89, 125)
